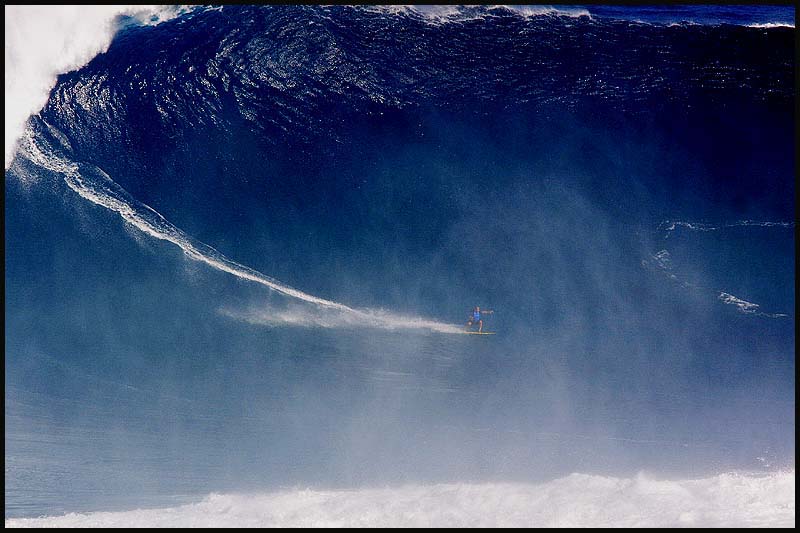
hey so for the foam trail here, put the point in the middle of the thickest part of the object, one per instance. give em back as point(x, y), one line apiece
point(305, 318)
point(747, 307)
point(578, 500)
point(663, 261)
point(105, 192)
point(670, 226)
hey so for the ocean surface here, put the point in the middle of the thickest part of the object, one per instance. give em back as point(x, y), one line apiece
point(242, 243)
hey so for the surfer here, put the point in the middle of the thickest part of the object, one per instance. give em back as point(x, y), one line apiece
point(476, 318)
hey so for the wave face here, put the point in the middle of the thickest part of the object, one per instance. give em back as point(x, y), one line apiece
point(751, 16)
point(242, 243)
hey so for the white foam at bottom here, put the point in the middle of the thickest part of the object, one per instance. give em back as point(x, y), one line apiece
point(578, 500)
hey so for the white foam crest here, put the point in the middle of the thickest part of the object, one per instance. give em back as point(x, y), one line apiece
point(767, 25)
point(538, 11)
point(45, 41)
point(744, 306)
point(433, 14)
point(104, 192)
point(578, 500)
point(747, 307)
point(461, 13)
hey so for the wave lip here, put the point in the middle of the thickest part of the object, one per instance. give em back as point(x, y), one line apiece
point(44, 41)
point(578, 500)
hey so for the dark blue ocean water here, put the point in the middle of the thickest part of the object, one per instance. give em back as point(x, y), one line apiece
point(601, 184)
point(752, 15)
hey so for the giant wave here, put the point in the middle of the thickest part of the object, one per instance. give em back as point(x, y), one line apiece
point(239, 239)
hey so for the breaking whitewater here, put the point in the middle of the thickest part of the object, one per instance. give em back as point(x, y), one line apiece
point(578, 500)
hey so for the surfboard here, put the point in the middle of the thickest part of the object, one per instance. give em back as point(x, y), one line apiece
point(479, 332)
